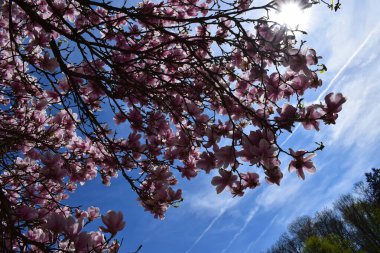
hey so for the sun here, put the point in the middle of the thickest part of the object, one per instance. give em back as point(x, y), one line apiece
point(292, 15)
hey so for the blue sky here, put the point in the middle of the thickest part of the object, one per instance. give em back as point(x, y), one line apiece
point(206, 222)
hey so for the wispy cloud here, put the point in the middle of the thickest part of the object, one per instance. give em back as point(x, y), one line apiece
point(288, 192)
point(250, 216)
point(208, 202)
point(275, 196)
point(222, 211)
point(261, 235)
point(338, 74)
point(349, 61)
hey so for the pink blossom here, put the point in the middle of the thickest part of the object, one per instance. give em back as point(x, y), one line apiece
point(113, 221)
point(48, 63)
point(297, 62)
point(38, 235)
point(83, 242)
point(299, 84)
point(301, 163)
point(203, 8)
point(189, 169)
point(251, 180)
point(310, 117)
point(264, 150)
point(120, 117)
point(72, 227)
point(174, 195)
point(226, 179)
point(93, 213)
point(97, 239)
point(311, 57)
point(252, 151)
point(80, 214)
point(333, 106)
point(114, 247)
point(55, 222)
point(274, 87)
point(265, 32)
point(288, 114)
point(273, 175)
point(225, 156)
point(244, 4)
point(238, 189)
point(207, 162)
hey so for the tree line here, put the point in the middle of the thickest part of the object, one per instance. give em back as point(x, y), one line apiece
point(351, 225)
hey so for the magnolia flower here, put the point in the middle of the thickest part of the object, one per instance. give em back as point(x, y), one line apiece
point(226, 179)
point(288, 114)
point(55, 222)
point(334, 104)
point(83, 242)
point(188, 171)
point(93, 213)
point(310, 116)
point(119, 118)
point(244, 4)
point(206, 162)
point(273, 175)
point(72, 227)
point(251, 180)
point(113, 221)
point(265, 150)
point(47, 63)
point(224, 156)
point(300, 163)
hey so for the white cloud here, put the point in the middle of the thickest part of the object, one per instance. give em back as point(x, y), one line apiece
point(268, 227)
point(248, 219)
point(276, 196)
point(345, 37)
point(337, 35)
point(206, 230)
point(207, 202)
point(357, 123)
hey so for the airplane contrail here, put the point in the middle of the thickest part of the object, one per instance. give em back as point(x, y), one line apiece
point(341, 70)
point(247, 221)
point(209, 226)
point(261, 235)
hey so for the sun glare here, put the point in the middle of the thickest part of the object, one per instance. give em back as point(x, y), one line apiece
point(291, 15)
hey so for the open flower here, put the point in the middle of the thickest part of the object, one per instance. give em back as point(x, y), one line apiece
point(224, 156)
point(226, 179)
point(251, 180)
point(301, 163)
point(310, 116)
point(334, 104)
point(113, 221)
point(206, 162)
point(93, 213)
point(273, 175)
point(288, 114)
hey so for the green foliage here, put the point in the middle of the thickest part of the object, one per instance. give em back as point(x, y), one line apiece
point(353, 225)
point(373, 182)
point(327, 244)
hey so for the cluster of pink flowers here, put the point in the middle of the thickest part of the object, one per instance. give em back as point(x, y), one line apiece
point(192, 88)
